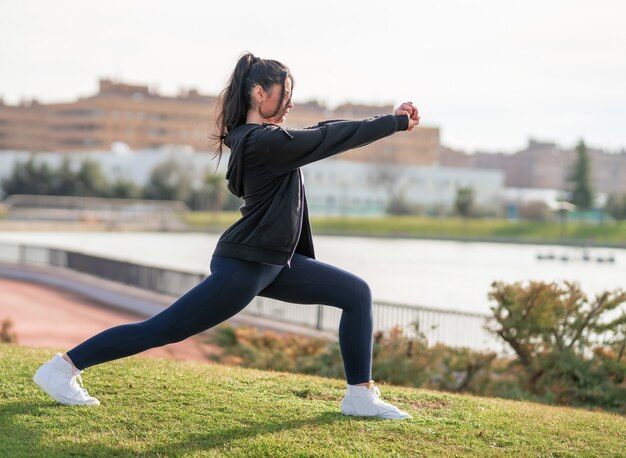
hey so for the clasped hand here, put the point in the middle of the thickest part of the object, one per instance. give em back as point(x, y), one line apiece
point(410, 110)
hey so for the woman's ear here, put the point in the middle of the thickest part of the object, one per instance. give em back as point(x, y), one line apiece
point(258, 93)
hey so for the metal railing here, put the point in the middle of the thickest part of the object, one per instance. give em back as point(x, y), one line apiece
point(450, 327)
point(26, 207)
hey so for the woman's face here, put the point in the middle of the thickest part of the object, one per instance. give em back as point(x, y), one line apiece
point(272, 101)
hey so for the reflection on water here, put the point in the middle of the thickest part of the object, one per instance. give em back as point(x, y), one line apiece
point(453, 275)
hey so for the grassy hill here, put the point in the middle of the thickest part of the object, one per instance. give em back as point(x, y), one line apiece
point(159, 407)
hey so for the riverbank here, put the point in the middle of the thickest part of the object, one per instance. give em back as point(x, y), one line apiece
point(572, 233)
point(610, 234)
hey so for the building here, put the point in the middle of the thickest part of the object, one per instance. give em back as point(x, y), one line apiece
point(545, 165)
point(346, 187)
point(334, 186)
point(144, 119)
point(118, 112)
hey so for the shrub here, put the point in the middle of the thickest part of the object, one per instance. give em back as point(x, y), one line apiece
point(535, 210)
point(397, 358)
point(269, 350)
point(567, 350)
point(6, 334)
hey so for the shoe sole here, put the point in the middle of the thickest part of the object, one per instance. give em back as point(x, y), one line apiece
point(37, 378)
point(380, 417)
point(376, 416)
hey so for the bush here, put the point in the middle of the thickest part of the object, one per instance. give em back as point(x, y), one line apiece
point(535, 210)
point(567, 350)
point(616, 206)
point(399, 205)
point(397, 358)
point(269, 350)
point(6, 334)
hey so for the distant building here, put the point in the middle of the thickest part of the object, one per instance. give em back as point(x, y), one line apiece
point(347, 187)
point(333, 186)
point(545, 166)
point(118, 112)
point(143, 119)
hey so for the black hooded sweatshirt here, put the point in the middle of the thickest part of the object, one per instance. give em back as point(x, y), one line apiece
point(264, 170)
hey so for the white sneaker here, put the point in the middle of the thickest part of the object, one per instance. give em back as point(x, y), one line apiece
point(364, 401)
point(58, 377)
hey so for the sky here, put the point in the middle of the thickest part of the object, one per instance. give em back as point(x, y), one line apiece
point(489, 74)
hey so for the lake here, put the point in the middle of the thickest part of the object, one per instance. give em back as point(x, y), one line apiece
point(446, 274)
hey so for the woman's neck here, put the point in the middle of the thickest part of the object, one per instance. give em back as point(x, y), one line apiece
point(254, 118)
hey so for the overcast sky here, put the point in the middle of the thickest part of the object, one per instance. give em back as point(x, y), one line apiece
point(489, 74)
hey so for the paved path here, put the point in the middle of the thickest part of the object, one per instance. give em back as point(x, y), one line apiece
point(47, 317)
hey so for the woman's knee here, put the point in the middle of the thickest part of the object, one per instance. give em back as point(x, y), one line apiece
point(361, 295)
point(365, 292)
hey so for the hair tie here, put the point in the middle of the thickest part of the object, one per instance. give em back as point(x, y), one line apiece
point(254, 61)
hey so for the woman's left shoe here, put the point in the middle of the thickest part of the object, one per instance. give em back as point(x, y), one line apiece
point(58, 378)
point(364, 401)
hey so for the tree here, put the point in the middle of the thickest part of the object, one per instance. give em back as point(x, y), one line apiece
point(123, 188)
point(90, 181)
point(64, 179)
point(565, 342)
point(464, 200)
point(399, 205)
point(28, 177)
point(616, 206)
point(211, 195)
point(389, 177)
point(581, 194)
point(168, 181)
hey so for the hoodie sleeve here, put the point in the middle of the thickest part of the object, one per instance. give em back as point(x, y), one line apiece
point(282, 150)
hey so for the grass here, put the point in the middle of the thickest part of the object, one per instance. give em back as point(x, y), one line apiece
point(609, 233)
point(160, 407)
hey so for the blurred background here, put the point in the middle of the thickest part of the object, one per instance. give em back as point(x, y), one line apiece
point(517, 172)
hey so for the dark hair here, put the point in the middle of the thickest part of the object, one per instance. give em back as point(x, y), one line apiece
point(233, 103)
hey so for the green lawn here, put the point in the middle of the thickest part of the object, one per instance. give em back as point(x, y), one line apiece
point(159, 407)
point(611, 233)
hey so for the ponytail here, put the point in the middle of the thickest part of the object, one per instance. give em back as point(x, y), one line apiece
point(234, 101)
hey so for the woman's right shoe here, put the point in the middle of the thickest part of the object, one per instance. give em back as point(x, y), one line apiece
point(57, 377)
point(364, 401)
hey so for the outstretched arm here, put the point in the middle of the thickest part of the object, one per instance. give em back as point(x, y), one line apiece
point(284, 150)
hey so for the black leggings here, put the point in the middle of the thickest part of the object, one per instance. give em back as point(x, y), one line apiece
point(232, 285)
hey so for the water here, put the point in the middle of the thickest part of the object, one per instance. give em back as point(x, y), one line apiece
point(452, 275)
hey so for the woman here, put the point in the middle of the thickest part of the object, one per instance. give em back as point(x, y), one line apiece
point(269, 251)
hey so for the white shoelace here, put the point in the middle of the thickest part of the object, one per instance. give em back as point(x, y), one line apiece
point(374, 395)
point(82, 390)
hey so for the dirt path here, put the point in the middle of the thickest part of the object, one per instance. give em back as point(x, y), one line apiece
point(49, 317)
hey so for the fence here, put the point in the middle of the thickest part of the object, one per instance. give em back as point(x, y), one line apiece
point(26, 207)
point(449, 327)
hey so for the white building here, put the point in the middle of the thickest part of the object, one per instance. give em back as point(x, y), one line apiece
point(338, 186)
point(334, 186)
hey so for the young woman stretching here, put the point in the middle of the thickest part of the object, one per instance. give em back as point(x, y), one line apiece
point(269, 251)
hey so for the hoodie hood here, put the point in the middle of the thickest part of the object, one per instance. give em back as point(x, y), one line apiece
point(236, 142)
